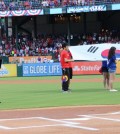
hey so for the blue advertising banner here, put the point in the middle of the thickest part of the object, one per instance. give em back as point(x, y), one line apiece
point(78, 9)
point(115, 6)
point(56, 11)
point(98, 8)
point(42, 69)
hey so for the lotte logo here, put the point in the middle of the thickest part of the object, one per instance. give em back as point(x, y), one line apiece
point(104, 53)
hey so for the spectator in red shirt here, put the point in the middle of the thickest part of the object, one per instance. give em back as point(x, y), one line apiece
point(64, 60)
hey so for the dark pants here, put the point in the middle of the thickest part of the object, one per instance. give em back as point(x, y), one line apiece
point(71, 72)
point(65, 79)
point(0, 62)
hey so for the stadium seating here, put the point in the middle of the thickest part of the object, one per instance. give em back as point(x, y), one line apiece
point(44, 43)
point(49, 44)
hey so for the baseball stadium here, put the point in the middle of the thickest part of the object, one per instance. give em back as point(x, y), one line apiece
point(40, 41)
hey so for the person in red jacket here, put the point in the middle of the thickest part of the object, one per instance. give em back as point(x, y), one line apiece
point(64, 60)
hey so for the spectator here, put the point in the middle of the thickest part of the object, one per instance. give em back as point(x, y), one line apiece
point(39, 59)
point(45, 60)
point(111, 67)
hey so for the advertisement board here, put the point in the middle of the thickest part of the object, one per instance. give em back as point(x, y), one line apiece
point(78, 9)
point(115, 6)
point(28, 59)
point(118, 67)
point(42, 69)
point(56, 11)
point(90, 67)
point(86, 67)
point(54, 69)
point(98, 8)
point(8, 70)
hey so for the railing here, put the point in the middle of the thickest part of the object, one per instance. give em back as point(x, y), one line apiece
point(37, 4)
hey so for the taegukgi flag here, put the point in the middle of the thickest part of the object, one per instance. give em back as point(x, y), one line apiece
point(96, 52)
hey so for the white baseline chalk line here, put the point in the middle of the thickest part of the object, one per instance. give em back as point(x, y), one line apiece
point(31, 118)
point(14, 119)
point(102, 118)
point(56, 120)
point(43, 118)
point(114, 113)
point(77, 119)
point(65, 123)
point(81, 127)
point(71, 124)
point(3, 127)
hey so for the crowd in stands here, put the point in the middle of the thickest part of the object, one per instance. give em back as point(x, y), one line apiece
point(37, 4)
point(50, 44)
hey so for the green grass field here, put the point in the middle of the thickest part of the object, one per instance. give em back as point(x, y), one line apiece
point(39, 95)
